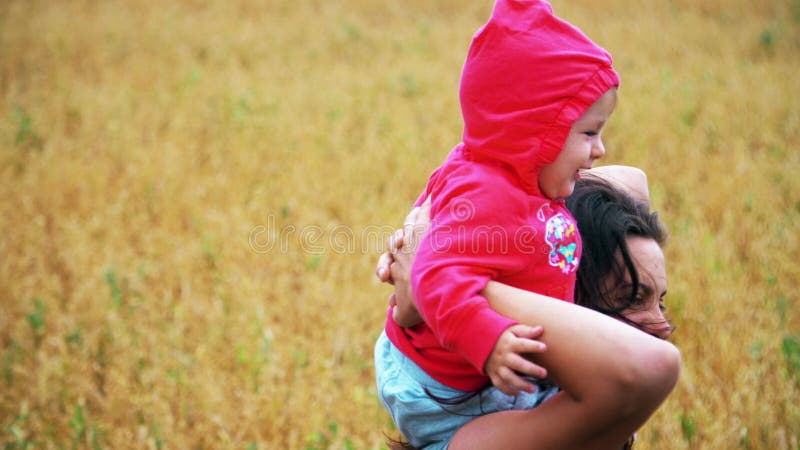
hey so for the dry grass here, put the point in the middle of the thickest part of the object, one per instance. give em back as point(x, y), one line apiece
point(143, 144)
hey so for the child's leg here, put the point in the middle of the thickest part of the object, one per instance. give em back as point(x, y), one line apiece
point(613, 378)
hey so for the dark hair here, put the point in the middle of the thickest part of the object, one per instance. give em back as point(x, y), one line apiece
point(606, 217)
point(398, 444)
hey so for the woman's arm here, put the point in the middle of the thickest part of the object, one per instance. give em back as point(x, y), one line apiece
point(612, 375)
point(613, 378)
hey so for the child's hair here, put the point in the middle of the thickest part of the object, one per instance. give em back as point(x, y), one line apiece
point(606, 217)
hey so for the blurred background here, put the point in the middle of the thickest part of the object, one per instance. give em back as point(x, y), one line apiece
point(193, 195)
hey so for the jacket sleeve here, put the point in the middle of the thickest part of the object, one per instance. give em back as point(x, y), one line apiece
point(474, 228)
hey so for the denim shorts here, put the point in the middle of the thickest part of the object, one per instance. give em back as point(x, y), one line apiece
point(426, 422)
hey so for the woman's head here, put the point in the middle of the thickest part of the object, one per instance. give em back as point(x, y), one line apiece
point(622, 270)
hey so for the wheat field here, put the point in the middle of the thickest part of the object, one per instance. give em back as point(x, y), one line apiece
point(193, 195)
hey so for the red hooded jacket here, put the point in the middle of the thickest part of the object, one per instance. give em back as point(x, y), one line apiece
point(527, 78)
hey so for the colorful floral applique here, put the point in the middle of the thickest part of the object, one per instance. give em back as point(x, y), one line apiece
point(561, 235)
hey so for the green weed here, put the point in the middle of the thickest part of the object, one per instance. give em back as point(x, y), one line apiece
point(77, 423)
point(790, 347)
point(767, 39)
point(36, 318)
point(113, 285)
point(20, 435)
point(314, 262)
point(687, 427)
point(75, 337)
point(10, 356)
point(26, 136)
point(36, 321)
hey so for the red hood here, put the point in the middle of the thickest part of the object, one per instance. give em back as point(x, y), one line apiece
point(527, 78)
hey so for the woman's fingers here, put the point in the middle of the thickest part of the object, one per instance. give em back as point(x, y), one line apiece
point(395, 242)
point(411, 218)
point(383, 270)
point(424, 213)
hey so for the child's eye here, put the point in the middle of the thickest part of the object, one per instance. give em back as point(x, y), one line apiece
point(591, 133)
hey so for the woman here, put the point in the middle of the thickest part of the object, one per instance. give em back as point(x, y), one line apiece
point(606, 372)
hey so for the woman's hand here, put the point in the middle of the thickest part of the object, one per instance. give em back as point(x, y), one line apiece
point(630, 179)
point(394, 266)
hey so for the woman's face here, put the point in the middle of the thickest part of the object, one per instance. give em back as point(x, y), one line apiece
point(648, 312)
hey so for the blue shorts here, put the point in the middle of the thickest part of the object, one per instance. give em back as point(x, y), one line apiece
point(431, 423)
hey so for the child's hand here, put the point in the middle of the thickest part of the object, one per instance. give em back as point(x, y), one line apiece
point(506, 363)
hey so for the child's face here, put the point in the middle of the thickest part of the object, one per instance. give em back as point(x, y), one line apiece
point(582, 147)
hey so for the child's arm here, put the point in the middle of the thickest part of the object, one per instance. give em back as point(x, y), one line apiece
point(405, 313)
point(470, 242)
point(395, 266)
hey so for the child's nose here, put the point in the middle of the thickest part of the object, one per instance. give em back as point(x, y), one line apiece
point(598, 150)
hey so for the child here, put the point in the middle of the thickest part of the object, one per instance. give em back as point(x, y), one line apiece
point(535, 95)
